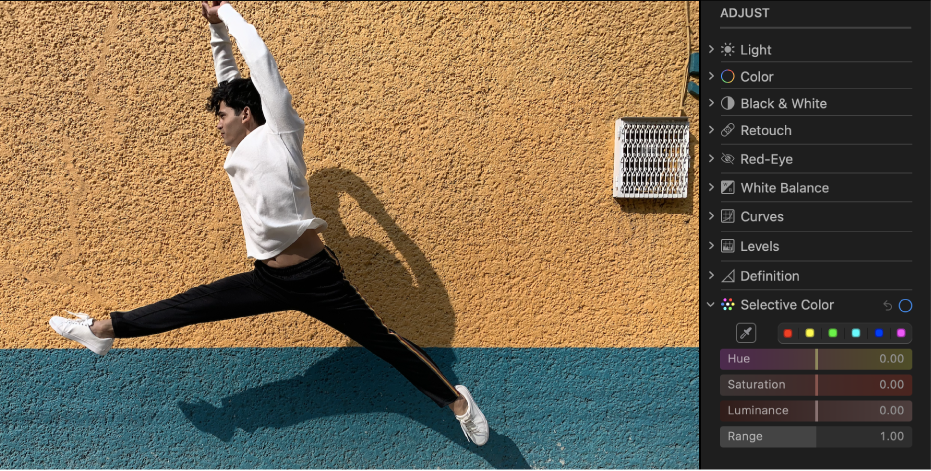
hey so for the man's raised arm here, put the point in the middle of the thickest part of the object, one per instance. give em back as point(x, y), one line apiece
point(280, 115)
point(223, 61)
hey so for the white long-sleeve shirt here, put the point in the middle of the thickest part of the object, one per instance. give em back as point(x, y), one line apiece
point(267, 168)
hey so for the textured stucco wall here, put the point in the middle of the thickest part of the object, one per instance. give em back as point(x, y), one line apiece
point(462, 155)
point(344, 408)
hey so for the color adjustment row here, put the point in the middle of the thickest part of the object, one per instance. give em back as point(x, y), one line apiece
point(816, 359)
point(781, 436)
point(816, 385)
point(816, 411)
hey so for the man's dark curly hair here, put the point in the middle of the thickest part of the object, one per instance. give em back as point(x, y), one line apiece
point(238, 94)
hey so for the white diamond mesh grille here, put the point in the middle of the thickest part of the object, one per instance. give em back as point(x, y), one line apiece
point(651, 158)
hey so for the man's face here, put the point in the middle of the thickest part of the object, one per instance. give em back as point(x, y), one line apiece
point(232, 128)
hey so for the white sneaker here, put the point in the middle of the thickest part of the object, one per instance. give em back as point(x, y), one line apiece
point(80, 331)
point(473, 421)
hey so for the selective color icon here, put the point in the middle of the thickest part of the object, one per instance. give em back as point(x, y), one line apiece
point(727, 304)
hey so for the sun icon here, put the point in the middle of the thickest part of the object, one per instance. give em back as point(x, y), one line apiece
point(727, 49)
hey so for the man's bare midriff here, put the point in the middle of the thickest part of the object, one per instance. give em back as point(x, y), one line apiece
point(306, 246)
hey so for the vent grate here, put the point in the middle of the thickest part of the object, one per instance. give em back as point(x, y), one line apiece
point(651, 158)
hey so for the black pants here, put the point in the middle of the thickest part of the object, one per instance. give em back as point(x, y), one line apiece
point(317, 287)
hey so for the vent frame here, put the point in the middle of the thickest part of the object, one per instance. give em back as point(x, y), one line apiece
point(651, 157)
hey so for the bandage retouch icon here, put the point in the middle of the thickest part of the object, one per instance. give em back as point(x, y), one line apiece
point(727, 130)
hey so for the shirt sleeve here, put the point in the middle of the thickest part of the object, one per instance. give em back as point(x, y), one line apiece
point(280, 115)
point(223, 61)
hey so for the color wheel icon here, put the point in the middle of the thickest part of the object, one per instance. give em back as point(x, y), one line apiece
point(728, 76)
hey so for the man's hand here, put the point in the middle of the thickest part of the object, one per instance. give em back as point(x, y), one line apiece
point(210, 9)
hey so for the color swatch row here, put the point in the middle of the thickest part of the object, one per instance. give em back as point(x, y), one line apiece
point(845, 333)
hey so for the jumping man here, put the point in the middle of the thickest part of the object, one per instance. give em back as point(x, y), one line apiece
point(294, 270)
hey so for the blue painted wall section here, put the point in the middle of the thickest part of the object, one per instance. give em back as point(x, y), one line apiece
point(345, 408)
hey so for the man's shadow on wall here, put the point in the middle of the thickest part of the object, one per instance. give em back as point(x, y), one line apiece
point(352, 381)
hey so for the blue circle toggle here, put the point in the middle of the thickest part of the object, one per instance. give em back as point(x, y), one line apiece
point(909, 301)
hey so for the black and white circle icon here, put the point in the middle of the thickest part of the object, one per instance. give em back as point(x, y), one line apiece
point(727, 103)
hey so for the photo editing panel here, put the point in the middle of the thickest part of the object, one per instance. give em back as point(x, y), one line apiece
point(816, 249)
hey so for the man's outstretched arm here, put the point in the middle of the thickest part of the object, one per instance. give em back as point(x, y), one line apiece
point(223, 61)
point(280, 115)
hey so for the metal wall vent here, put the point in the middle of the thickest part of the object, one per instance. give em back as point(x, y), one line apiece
point(651, 157)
